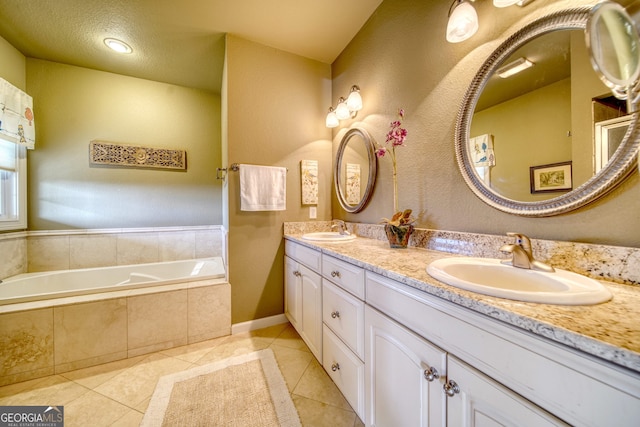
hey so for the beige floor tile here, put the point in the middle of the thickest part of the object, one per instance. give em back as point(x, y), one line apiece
point(122, 390)
point(293, 363)
point(132, 418)
point(317, 414)
point(93, 409)
point(54, 390)
point(234, 346)
point(93, 376)
point(315, 384)
point(193, 352)
point(132, 386)
point(290, 338)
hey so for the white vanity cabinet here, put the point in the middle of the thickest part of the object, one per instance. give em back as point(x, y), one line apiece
point(495, 374)
point(343, 330)
point(303, 294)
point(404, 376)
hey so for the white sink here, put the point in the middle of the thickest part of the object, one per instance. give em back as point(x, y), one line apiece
point(491, 277)
point(329, 236)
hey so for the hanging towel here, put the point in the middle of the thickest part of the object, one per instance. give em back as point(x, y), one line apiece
point(481, 151)
point(263, 188)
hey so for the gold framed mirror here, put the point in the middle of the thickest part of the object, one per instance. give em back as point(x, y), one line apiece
point(489, 163)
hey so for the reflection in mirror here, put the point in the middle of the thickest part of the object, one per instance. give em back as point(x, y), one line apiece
point(510, 126)
point(355, 161)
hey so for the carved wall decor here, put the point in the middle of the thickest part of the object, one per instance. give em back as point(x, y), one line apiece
point(112, 154)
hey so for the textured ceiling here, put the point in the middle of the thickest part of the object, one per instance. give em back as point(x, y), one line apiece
point(178, 42)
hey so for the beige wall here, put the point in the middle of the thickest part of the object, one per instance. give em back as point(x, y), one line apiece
point(12, 65)
point(401, 59)
point(76, 105)
point(275, 105)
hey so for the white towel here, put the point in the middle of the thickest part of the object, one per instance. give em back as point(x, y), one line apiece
point(263, 188)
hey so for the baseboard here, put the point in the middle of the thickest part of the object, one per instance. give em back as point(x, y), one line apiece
point(265, 322)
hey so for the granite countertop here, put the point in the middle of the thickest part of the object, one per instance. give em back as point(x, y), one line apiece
point(609, 331)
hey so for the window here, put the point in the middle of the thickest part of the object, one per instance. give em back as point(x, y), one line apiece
point(13, 186)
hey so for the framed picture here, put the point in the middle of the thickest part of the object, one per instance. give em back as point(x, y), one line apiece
point(552, 177)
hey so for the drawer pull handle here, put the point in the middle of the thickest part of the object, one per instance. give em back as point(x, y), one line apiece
point(297, 273)
point(335, 274)
point(335, 367)
point(335, 314)
point(451, 388)
point(431, 374)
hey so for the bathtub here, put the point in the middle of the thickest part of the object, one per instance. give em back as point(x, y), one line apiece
point(57, 284)
point(58, 321)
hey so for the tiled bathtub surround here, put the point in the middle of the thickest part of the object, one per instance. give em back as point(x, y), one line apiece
point(70, 249)
point(612, 263)
point(75, 332)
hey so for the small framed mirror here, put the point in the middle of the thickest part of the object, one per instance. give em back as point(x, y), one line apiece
point(355, 162)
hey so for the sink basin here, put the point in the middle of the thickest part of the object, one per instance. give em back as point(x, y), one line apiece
point(490, 277)
point(329, 236)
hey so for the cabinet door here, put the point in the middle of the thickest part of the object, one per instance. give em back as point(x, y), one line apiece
point(312, 311)
point(398, 391)
point(480, 401)
point(293, 292)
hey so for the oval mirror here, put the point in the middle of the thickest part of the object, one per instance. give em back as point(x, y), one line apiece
point(614, 46)
point(550, 138)
point(355, 159)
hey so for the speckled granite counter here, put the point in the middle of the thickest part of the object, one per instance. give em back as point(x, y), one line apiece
point(609, 331)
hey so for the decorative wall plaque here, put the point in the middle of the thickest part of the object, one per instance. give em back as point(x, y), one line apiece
point(112, 154)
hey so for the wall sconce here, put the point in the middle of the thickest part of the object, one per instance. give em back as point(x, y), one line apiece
point(463, 21)
point(463, 18)
point(346, 108)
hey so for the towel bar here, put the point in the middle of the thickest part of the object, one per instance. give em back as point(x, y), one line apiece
point(234, 167)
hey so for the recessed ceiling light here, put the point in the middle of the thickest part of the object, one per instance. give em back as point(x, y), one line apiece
point(118, 45)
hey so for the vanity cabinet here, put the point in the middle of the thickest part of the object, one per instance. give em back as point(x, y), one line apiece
point(303, 294)
point(343, 329)
point(496, 374)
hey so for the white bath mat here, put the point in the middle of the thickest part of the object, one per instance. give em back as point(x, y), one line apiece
point(245, 391)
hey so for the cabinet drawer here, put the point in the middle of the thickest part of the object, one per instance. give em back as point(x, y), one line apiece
point(343, 274)
point(307, 256)
point(344, 315)
point(345, 369)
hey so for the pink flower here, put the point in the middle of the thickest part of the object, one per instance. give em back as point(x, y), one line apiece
point(381, 151)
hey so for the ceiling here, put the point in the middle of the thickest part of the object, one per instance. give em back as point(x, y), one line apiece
point(177, 42)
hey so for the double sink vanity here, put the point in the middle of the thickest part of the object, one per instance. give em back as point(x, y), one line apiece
point(408, 349)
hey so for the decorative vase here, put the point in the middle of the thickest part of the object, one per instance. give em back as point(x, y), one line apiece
point(398, 235)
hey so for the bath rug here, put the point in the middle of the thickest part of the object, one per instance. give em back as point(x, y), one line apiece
point(246, 391)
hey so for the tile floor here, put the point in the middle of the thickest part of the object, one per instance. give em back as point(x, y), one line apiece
point(118, 393)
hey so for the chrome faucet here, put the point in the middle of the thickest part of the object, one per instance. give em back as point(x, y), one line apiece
point(522, 254)
point(341, 226)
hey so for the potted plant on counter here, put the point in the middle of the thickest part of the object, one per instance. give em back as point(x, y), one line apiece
point(399, 228)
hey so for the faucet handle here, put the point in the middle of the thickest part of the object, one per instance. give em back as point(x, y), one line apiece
point(521, 240)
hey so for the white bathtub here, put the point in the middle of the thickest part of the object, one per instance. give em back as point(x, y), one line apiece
point(57, 284)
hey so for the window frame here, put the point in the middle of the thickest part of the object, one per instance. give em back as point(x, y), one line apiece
point(20, 221)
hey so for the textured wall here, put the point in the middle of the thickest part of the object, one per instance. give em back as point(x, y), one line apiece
point(76, 105)
point(275, 107)
point(401, 59)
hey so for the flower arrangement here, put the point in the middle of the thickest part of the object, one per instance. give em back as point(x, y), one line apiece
point(396, 137)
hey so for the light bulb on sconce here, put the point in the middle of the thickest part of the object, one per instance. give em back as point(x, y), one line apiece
point(346, 108)
point(332, 120)
point(462, 21)
point(342, 111)
point(354, 100)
